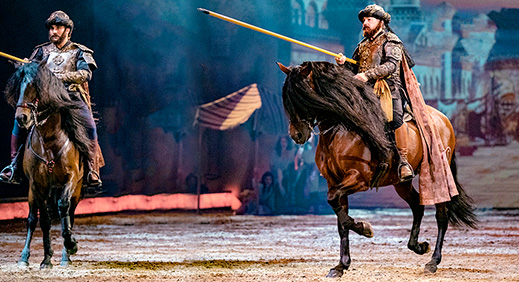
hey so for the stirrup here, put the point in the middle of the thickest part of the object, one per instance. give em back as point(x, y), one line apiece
point(407, 178)
point(12, 179)
point(97, 184)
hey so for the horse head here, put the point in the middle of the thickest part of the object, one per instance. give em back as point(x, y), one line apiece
point(327, 95)
point(25, 93)
point(301, 123)
point(35, 92)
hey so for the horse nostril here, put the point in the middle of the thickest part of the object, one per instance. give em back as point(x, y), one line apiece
point(299, 136)
point(22, 119)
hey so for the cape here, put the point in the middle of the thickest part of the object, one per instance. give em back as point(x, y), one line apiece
point(436, 182)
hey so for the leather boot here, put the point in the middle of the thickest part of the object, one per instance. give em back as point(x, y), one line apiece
point(405, 170)
point(93, 179)
point(11, 173)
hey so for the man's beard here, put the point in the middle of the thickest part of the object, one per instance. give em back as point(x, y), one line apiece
point(60, 40)
point(369, 33)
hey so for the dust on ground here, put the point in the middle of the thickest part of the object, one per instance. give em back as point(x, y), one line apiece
point(219, 247)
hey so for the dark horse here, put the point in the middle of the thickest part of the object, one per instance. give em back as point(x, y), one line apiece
point(352, 145)
point(54, 149)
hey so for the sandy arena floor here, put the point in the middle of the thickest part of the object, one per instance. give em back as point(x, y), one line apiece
point(185, 247)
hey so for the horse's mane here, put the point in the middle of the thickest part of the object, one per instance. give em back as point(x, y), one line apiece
point(340, 99)
point(53, 97)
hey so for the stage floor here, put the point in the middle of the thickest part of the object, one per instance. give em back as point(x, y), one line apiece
point(218, 247)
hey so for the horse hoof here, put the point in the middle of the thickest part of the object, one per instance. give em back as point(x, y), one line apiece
point(367, 230)
point(422, 248)
point(72, 251)
point(334, 273)
point(425, 247)
point(44, 265)
point(430, 267)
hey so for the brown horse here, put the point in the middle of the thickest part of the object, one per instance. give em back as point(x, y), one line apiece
point(354, 152)
point(53, 151)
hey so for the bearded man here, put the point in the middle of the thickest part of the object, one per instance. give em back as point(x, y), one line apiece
point(379, 55)
point(73, 64)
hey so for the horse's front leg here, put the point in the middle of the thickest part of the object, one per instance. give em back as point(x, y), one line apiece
point(345, 259)
point(339, 203)
point(406, 191)
point(45, 224)
point(442, 220)
point(32, 221)
point(69, 243)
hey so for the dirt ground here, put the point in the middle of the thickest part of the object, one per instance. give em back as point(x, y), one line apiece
point(219, 247)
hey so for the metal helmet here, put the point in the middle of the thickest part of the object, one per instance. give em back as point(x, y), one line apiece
point(375, 11)
point(59, 18)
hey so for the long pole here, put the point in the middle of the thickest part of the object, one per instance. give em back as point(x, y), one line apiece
point(277, 35)
point(11, 57)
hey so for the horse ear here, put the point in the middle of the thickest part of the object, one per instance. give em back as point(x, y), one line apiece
point(306, 69)
point(283, 68)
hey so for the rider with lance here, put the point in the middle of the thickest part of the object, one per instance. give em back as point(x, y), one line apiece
point(379, 57)
point(73, 64)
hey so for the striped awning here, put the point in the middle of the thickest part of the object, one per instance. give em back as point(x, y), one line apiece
point(231, 110)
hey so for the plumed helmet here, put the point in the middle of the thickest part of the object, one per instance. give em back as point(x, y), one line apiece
point(59, 18)
point(375, 11)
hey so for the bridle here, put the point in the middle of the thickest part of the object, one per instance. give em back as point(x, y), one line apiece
point(315, 124)
point(33, 107)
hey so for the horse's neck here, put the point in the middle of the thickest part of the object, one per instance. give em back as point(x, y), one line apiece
point(51, 131)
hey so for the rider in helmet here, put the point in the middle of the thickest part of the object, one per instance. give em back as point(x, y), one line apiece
point(73, 64)
point(379, 55)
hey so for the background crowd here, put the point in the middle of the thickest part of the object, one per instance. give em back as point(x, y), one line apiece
point(293, 184)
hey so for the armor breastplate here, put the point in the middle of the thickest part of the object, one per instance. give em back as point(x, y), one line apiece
point(61, 61)
point(370, 53)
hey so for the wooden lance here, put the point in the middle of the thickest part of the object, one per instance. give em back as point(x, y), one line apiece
point(258, 29)
point(13, 58)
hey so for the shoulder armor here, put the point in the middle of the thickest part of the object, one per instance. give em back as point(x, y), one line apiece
point(393, 37)
point(42, 45)
point(83, 48)
point(87, 55)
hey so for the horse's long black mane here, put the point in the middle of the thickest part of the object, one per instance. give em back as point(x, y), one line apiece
point(339, 98)
point(52, 97)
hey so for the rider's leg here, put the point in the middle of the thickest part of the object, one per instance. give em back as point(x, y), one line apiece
point(11, 173)
point(92, 173)
point(401, 138)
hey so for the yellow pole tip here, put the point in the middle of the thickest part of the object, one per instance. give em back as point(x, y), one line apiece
point(203, 10)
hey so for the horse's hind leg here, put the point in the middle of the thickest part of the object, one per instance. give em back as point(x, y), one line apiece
point(45, 224)
point(32, 221)
point(406, 191)
point(442, 220)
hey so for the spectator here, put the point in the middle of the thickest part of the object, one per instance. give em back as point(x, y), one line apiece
point(269, 195)
point(280, 161)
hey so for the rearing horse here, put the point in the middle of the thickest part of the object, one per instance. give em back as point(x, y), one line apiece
point(352, 146)
point(54, 149)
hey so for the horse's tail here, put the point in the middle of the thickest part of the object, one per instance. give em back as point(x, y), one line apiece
point(460, 209)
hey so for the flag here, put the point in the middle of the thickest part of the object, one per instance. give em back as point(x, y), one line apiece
point(231, 110)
